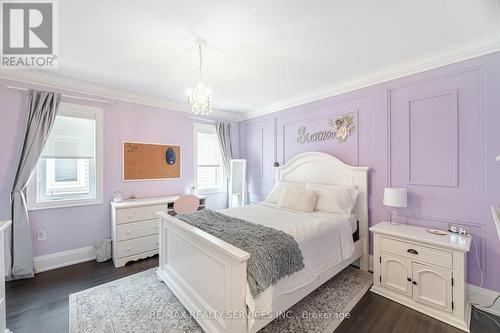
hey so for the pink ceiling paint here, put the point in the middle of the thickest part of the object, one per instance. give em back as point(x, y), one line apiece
point(436, 133)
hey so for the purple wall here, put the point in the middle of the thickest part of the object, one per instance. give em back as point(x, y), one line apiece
point(75, 227)
point(436, 133)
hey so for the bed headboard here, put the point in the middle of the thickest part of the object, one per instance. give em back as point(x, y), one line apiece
point(321, 168)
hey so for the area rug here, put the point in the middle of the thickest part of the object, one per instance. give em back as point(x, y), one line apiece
point(141, 303)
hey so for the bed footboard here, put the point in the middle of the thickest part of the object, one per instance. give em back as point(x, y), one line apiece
point(207, 274)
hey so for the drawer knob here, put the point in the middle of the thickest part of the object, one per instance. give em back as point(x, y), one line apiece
point(130, 216)
point(128, 232)
point(415, 282)
point(409, 279)
point(412, 251)
point(128, 249)
point(157, 242)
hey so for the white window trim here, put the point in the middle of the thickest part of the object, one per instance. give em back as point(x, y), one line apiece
point(81, 111)
point(208, 129)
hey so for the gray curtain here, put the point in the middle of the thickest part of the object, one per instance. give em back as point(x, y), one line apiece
point(224, 138)
point(42, 112)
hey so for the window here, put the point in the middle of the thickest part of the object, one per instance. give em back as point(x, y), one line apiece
point(69, 172)
point(209, 170)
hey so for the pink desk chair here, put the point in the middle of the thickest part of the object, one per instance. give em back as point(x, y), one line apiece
point(186, 204)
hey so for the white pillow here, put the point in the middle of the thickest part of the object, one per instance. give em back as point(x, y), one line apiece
point(334, 198)
point(299, 199)
point(279, 189)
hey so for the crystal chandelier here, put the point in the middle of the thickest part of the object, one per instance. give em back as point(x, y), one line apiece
point(200, 97)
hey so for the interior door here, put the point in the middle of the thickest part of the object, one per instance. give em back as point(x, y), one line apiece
point(396, 273)
point(432, 286)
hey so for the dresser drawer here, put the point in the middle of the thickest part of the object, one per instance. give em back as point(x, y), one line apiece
point(132, 230)
point(418, 252)
point(136, 246)
point(126, 215)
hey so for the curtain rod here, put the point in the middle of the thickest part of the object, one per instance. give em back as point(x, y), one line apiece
point(66, 96)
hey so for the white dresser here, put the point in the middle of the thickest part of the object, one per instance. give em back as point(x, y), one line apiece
point(423, 271)
point(135, 226)
point(3, 321)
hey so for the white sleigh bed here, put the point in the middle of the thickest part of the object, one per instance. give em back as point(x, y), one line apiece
point(208, 275)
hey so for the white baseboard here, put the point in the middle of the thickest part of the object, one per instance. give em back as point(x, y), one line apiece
point(64, 258)
point(475, 294)
point(483, 297)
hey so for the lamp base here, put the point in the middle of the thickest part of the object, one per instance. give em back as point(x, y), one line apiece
point(393, 220)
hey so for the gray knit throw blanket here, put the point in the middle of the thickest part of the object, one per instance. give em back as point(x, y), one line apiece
point(273, 253)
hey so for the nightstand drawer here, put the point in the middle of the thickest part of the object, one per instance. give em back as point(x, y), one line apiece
point(418, 252)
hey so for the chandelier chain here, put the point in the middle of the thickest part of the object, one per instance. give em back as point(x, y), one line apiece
point(201, 61)
point(199, 98)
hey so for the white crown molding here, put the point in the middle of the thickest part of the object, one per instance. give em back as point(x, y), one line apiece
point(53, 81)
point(460, 52)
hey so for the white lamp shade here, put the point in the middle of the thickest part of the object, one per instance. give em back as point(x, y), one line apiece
point(395, 197)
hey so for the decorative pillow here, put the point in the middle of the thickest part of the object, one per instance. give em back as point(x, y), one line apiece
point(279, 188)
point(299, 199)
point(338, 199)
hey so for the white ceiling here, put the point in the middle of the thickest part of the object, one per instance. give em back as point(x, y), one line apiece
point(260, 53)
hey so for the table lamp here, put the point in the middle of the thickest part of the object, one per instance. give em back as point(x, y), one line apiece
point(395, 198)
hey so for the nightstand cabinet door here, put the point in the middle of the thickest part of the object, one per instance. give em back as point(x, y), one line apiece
point(395, 272)
point(432, 286)
point(423, 271)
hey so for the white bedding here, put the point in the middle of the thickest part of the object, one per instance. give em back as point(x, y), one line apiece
point(325, 239)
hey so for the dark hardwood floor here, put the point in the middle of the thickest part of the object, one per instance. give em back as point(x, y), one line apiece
point(375, 313)
point(41, 304)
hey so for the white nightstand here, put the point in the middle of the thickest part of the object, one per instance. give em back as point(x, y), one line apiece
point(423, 271)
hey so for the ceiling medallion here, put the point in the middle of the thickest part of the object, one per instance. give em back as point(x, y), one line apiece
point(199, 98)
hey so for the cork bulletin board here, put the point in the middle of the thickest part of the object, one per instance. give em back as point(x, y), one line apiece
point(147, 161)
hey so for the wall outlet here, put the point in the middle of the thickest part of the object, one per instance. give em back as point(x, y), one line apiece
point(458, 229)
point(41, 234)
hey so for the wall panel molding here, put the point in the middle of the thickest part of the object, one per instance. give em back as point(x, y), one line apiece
point(253, 135)
point(453, 126)
point(475, 48)
point(434, 202)
point(477, 231)
point(472, 80)
point(281, 127)
point(442, 220)
point(419, 80)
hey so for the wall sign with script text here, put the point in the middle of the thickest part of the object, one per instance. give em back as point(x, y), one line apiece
point(340, 129)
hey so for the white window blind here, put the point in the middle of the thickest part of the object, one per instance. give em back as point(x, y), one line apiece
point(71, 138)
point(209, 167)
point(69, 171)
point(208, 150)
